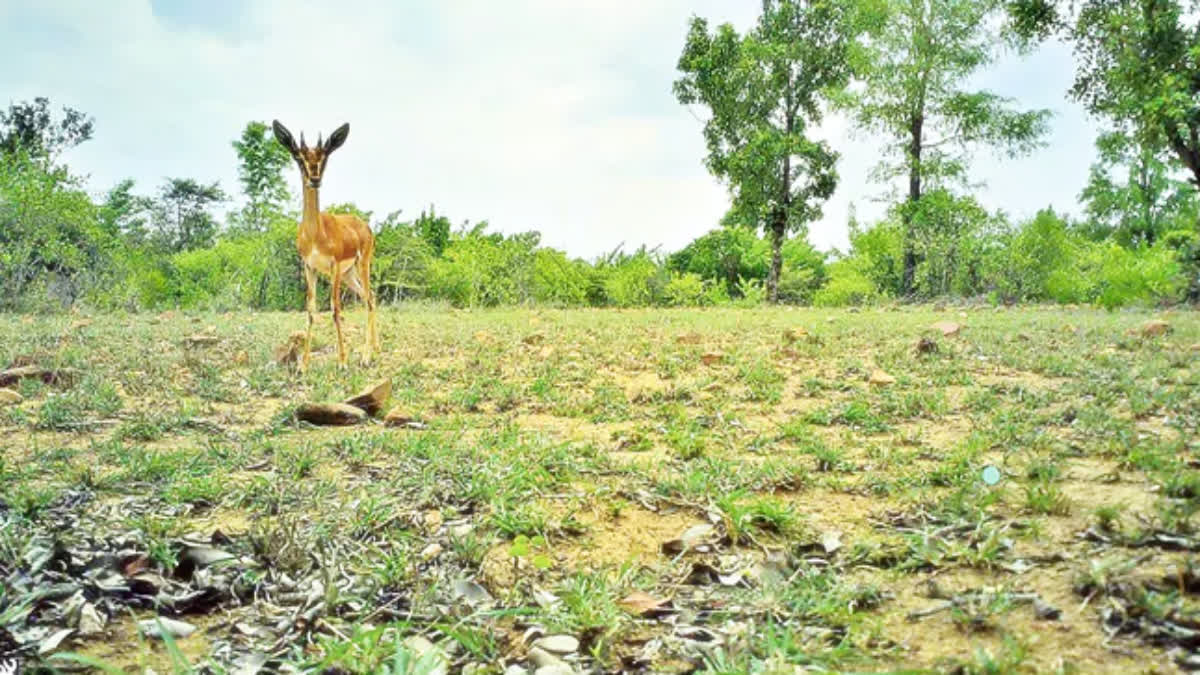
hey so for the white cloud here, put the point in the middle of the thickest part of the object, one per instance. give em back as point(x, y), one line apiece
point(535, 114)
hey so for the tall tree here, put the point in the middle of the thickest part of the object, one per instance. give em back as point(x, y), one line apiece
point(31, 127)
point(1133, 194)
point(763, 91)
point(261, 161)
point(1138, 64)
point(915, 94)
point(182, 214)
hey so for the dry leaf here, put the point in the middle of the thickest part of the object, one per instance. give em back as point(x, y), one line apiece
point(639, 603)
point(711, 358)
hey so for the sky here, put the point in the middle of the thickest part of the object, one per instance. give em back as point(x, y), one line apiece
point(548, 115)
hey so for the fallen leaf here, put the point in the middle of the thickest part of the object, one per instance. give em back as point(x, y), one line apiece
point(710, 358)
point(640, 603)
point(9, 397)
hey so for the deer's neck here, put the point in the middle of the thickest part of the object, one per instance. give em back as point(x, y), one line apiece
point(311, 218)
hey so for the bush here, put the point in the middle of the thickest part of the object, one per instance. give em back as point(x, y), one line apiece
point(685, 290)
point(847, 285)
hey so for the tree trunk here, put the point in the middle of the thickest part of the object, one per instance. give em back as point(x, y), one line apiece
point(778, 227)
point(914, 196)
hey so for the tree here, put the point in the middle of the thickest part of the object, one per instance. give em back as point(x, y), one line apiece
point(182, 213)
point(434, 229)
point(260, 170)
point(30, 127)
point(1138, 64)
point(914, 94)
point(1140, 207)
point(763, 90)
point(126, 214)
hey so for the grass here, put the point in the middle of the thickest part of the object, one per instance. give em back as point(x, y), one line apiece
point(564, 448)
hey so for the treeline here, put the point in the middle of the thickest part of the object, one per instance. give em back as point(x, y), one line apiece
point(1136, 242)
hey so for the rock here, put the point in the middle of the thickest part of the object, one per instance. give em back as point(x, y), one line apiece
point(65, 376)
point(421, 646)
point(1155, 328)
point(201, 340)
point(880, 378)
point(710, 358)
point(371, 399)
point(9, 397)
point(558, 644)
point(176, 629)
point(90, 620)
point(431, 551)
point(330, 414)
point(544, 659)
point(1046, 611)
point(831, 542)
point(433, 521)
point(948, 328)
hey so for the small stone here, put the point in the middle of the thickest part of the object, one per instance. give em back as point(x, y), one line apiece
point(431, 551)
point(10, 397)
point(558, 644)
point(90, 620)
point(948, 328)
point(432, 520)
point(881, 379)
point(1045, 610)
point(398, 417)
point(543, 659)
point(177, 629)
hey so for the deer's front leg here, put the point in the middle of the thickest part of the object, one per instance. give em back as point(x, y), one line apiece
point(336, 293)
point(310, 280)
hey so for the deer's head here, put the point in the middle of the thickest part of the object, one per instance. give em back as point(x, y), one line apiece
point(311, 160)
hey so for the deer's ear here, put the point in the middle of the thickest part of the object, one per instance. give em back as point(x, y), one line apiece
point(337, 138)
point(284, 137)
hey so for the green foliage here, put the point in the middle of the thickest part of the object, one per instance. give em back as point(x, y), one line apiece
point(261, 161)
point(847, 285)
point(29, 128)
point(914, 96)
point(763, 90)
point(1148, 202)
point(52, 246)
